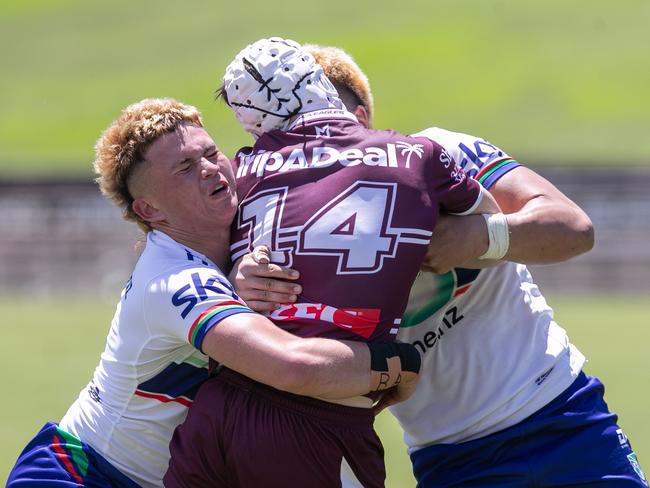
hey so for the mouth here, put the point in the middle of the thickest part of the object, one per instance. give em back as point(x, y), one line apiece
point(221, 187)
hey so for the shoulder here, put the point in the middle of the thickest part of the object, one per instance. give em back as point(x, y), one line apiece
point(172, 277)
point(182, 287)
point(472, 153)
point(186, 302)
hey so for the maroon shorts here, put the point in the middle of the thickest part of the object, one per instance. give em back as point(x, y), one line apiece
point(240, 433)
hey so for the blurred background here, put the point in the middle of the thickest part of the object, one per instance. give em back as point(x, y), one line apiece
point(561, 86)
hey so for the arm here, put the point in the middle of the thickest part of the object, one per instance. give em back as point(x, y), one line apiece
point(544, 226)
point(198, 306)
point(253, 346)
point(459, 239)
point(487, 205)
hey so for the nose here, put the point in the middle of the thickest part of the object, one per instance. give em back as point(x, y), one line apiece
point(208, 168)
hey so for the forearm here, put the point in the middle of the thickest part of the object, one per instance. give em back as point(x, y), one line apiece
point(331, 369)
point(545, 231)
point(344, 377)
point(544, 225)
point(255, 347)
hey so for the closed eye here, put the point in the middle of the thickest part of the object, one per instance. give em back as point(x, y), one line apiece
point(185, 167)
point(211, 153)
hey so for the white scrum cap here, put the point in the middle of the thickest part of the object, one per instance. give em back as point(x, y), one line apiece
point(272, 80)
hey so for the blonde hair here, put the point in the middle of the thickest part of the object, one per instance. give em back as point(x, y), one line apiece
point(121, 147)
point(343, 71)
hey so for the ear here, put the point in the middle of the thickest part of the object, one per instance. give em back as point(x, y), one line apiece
point(362, 116)
point(146, 211)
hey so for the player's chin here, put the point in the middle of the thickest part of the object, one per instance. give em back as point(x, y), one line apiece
point(225, 205)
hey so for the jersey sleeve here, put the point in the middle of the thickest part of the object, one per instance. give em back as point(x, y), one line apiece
point(187, 303)
point(456, 193)
point(479, 159)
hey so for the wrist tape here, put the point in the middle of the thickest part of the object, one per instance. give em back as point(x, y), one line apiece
point(408, 355)
point(498, 236)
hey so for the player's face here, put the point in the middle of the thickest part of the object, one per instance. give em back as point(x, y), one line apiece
point(190, 181)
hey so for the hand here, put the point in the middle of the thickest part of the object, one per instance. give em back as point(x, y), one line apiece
point(455, 241)
point(399, 393)
point(261, 284)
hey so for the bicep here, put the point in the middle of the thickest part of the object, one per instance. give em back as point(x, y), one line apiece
point(522, 185)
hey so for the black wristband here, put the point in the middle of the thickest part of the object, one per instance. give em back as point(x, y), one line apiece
point(379, 354)
point(408, 355)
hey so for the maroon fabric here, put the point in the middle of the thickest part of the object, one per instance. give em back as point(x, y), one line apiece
point(352, 209)
point(356, 264)
point(241, 434)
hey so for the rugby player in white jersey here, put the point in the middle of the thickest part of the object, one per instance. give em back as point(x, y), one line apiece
point(502, 399)
point(160, 166)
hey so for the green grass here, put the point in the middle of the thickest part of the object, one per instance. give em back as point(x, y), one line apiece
point(51, 348)
point(550, 81)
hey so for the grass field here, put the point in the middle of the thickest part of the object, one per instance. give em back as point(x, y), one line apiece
point(550, 81)
point(51, 348)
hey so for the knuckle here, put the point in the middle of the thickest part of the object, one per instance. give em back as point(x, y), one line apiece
point(274, 269)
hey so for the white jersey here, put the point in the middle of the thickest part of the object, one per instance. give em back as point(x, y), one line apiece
point(491, 352)
point(152, 367)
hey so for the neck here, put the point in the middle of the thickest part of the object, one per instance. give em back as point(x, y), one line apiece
point(214, 243)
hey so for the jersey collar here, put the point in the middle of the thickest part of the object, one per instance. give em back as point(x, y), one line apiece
point(167, 241)
point(328, 113)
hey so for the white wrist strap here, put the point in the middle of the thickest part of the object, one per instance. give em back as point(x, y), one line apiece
point(498, 236)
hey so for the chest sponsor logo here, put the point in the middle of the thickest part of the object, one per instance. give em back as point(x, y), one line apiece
point(432, 338)
point(359, 321)
point(432, 292)
point(263, 162)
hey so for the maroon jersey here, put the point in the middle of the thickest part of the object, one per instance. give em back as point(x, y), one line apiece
point(353, 210)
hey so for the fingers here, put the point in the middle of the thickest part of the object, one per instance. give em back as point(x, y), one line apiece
point(262, 255)
point(379, 405)
point(387, 400)
point(256, 264)
point(403, 391)
point(268, 296)
point(261, 284)
point(392, 397)
point(278, 272)
point(262, 307)
point(269, 286)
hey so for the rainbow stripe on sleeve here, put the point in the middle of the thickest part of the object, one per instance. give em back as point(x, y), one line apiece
point(212, 317)
point(490, 173)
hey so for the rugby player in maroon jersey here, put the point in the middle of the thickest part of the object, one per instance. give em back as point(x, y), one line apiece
point(353, 210)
